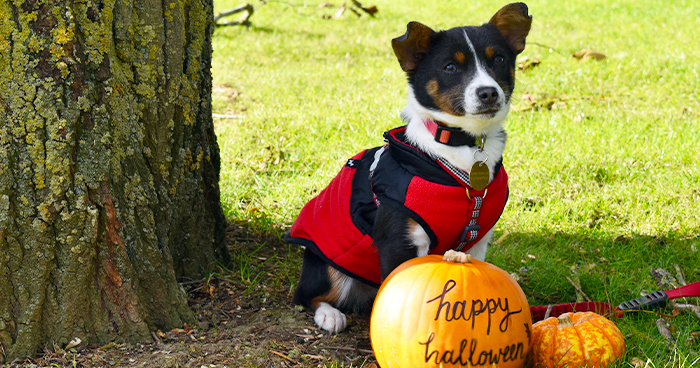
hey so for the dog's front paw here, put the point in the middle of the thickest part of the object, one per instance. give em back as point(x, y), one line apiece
point(329, 318)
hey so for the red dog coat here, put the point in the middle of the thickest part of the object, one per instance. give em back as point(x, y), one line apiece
point(337, 224)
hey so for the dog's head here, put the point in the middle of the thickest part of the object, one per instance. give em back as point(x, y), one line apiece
point(464, 76)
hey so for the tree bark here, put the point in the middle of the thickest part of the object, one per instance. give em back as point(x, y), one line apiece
point(109, 168)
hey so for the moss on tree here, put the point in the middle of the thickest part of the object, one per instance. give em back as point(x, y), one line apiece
point(108, 168)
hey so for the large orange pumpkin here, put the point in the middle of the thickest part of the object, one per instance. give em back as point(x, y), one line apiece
point(455, 312)
point(576, 340)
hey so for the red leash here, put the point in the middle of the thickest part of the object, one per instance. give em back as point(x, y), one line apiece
point(656, 299)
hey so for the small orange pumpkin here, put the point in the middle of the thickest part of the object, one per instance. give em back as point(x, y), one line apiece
point(451, 312)
point(576, 340)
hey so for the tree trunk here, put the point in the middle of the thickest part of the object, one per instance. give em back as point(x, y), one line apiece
point(109, 168)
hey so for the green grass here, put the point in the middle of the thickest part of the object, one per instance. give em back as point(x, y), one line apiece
point(607, 180)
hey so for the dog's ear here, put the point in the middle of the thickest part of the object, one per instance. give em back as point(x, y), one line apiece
point(412, 46)
point(514, 24)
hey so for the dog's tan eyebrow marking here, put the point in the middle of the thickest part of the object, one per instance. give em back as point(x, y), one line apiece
point(489, 52)
point(459, 56)
point(512, 73)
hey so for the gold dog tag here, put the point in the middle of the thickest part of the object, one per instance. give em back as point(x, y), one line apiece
point(479, 175)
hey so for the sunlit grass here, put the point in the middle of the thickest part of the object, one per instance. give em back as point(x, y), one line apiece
point(606, 181)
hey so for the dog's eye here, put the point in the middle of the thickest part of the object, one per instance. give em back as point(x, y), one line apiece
point(498, 60)
point(450, 68)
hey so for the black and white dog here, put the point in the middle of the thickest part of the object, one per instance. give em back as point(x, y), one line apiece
point(425, 190)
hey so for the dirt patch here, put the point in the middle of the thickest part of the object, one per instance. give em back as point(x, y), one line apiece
point(245, 318)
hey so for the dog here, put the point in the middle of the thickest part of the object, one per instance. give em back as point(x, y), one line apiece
point(437, 184)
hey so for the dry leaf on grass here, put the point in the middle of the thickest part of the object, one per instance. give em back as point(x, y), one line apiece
point(525, 62)
point(529, 98)
point(371, 10)
point(540, 103)
point(340, 12)
point(585, 54)
point(638, 363)
point(693, 338)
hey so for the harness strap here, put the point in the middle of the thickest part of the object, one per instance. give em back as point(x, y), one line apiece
point(471, 230)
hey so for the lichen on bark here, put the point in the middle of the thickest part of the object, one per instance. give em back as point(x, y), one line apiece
point(108, 168)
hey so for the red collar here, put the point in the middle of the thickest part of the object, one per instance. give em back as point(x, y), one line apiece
point(449, 135)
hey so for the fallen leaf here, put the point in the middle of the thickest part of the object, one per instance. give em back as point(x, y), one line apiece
point(340, 12)
point(325, 5)
point(525, 62)
point(161, 334)
point(636, 362)
point(529, 98)
point(107, 347)
point(585, 54)
point(306, 336)
point(73, 343)
point(371, 10)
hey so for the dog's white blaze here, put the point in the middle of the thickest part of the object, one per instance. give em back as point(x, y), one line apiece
point(481, 79)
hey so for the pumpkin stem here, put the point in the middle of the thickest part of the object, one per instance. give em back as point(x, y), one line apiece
point(457, 257)
point(565, 320)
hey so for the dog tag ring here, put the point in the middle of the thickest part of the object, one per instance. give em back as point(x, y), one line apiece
point(479, 175)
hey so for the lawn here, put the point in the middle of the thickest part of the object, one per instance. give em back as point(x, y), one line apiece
point(602, 155)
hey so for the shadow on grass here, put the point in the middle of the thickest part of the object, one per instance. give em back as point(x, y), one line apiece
point(612, 269)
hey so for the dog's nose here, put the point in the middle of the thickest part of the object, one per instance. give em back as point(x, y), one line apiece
point(487, 95)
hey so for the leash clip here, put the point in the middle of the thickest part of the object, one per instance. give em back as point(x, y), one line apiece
point(652, 300)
